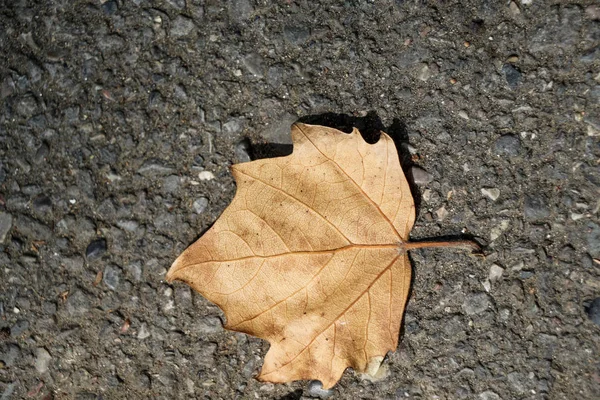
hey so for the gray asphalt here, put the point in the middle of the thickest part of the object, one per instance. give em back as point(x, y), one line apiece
point(119, 121)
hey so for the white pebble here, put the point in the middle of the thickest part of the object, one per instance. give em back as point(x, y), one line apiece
point(206, 176)
point(143, 332)
point(491, 193)
point(42, 360)
point(426, 195)
point(420, 176)
point(487, 285)
point(441, 213)
point(497, 230)
point(576, 216)
point(496, 272)
point(169, 305)
point(200, 205)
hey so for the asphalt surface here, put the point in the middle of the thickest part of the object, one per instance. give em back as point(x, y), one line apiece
point(119, 121)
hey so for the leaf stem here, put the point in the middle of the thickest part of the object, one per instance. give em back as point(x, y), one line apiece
point(459, 244)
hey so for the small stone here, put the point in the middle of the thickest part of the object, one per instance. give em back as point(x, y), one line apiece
point(33, 229)
point(134, 270)
point(315, 389)
point(200, 205)
point(73, 264)
point(10, 354)
point(507, 145)
point(427, 193)
point(7, 88)
point(41, 154)
point(254, 64)
point(142, 381)
point(420, 176)
point(487, 285)
point(96, 249)
point(180, 4)
point(518, 382)
point(512, 75)
point(42, 204)
point(111, 277)
point(169, 305)
point(576, 216)
point(535, 208)
point(181, 26)
point(592, 235)
point(209, 325)
point(240, 10)
point(497, 230)
point(143, 332)
point(491, 193)
point(463, 114)
point(593, 12)
point(279, 132)
point(154, 168)
point(593, 127)
point(441, 213)
point(180, 93)
point(296, 34)
point(242, 151)
point(526, 274)
point(170, 184)
point(376, 371)
point(49, 307)
point(27, 106)
point(5, 225)
point(206, 176)
point(165, 221)
point(110, 7)
point(496, 272)
point(593, 311)
point(514, 9)
point(42, 360)
point(19, 327)
point(489, 395)
point(206, 356)
point(8, 391)
point(77, 304)
point(476, 303)
point(156, 101)
point(424, 73)
point(86, 396)
point(233, 126)
point(127, 225)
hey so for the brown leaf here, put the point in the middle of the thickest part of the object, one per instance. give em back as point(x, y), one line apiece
point(311, 255)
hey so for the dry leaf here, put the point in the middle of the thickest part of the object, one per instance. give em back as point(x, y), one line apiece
point(311, 255)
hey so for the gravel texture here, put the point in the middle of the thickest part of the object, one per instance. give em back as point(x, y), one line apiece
point(120, 119)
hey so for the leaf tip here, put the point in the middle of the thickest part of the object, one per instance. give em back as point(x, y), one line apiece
point(172, 272)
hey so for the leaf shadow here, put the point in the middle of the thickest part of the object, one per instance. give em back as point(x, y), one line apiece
point(269, 150)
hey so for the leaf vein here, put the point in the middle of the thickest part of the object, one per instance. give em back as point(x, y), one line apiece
point(301, 202)
point(355, 184)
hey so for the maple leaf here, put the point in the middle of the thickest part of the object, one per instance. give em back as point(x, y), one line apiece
point(311, 255)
